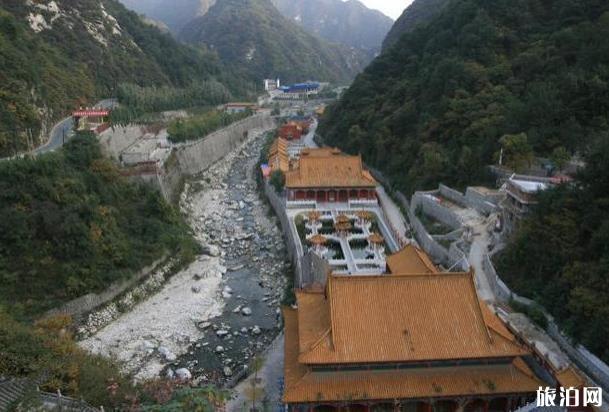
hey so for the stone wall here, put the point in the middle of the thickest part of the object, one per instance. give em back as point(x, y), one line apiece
point(87, 303)
point(194, 157)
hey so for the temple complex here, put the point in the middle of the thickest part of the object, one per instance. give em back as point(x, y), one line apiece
point(328, 175)
point(412, 340)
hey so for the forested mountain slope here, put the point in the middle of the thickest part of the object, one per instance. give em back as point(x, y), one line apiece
point(174, 13)
point(435, 106)
point(418, 13)
point(346, 22)
point(560, 257)
point(251, 35)
point(57, 55)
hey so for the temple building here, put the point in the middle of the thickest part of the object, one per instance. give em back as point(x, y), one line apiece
point(406, 341)
point(279, 158)
point(328, 175)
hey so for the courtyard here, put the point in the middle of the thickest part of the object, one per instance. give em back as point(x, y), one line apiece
point(350, 240)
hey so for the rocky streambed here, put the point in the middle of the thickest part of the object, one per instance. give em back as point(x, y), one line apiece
point(210, 319)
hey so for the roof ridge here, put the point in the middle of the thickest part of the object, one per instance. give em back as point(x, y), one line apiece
point(402, 276)
point(479, 306)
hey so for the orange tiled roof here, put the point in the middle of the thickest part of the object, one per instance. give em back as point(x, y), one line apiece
point(410, 260)
point(401, 318)
point(326, 168)
point(278, 155)
point(569, 377)
point(303, 385)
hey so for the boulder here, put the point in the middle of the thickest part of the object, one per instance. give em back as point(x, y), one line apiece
point(183, 374)
point(246, 311)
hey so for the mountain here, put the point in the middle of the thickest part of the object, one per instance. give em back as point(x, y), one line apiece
point(481, 75)
point(251, 35)
point(350, 23)
point(419, 12)
point(529, 77)
point(175, 14)
point(57, 55)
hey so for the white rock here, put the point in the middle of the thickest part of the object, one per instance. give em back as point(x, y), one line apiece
point(183, 374)
point(256, 330)
point(246, 311)
point(219, 349)
point(220, 333)
point(228, 371)
point(167, 354)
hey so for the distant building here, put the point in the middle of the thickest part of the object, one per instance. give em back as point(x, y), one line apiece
point(402, 342)
point(95, 120)
point(270, 84)
point(298, 91)
point(328, 175)
point(234, 108)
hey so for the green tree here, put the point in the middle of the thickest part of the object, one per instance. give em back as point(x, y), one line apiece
point(560, 157)
point(517, 153)
point(277, 180)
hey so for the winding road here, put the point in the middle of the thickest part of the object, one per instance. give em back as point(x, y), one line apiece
point(64, 130)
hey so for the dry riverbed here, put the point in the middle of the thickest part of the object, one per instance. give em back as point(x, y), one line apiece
point(209, 319)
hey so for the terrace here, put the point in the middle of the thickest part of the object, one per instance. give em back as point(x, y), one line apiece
point(350, 240)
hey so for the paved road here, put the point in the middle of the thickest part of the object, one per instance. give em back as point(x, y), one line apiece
point(308, 140)
point(270, 376)
point(63, 131)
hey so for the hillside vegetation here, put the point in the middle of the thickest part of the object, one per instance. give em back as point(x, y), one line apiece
point(443, 97)
point(71, 225)
point(53, 60)
point(251, 36)
point(560, 257)
point(349, 23)
point(420, 12)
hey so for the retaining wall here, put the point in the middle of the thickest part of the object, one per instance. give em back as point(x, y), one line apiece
point(195, 157)
point(432, 208)
point(87, 303)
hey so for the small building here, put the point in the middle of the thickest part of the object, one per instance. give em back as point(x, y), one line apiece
point(521, 196)
point(95, 120)
point(271, 84)
point(234, 108)
point(402, 342)
point(328, 175)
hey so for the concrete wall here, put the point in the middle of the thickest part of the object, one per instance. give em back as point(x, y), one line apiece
point(195, 157)
point(424, 202)
point(87, 303)
point(483, 203)
point(308, 267)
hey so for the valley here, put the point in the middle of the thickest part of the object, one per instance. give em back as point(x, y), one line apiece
point(288, 205)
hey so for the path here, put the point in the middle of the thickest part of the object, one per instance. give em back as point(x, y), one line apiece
point(270, 375)
point(477, 251)
point(393, 214)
